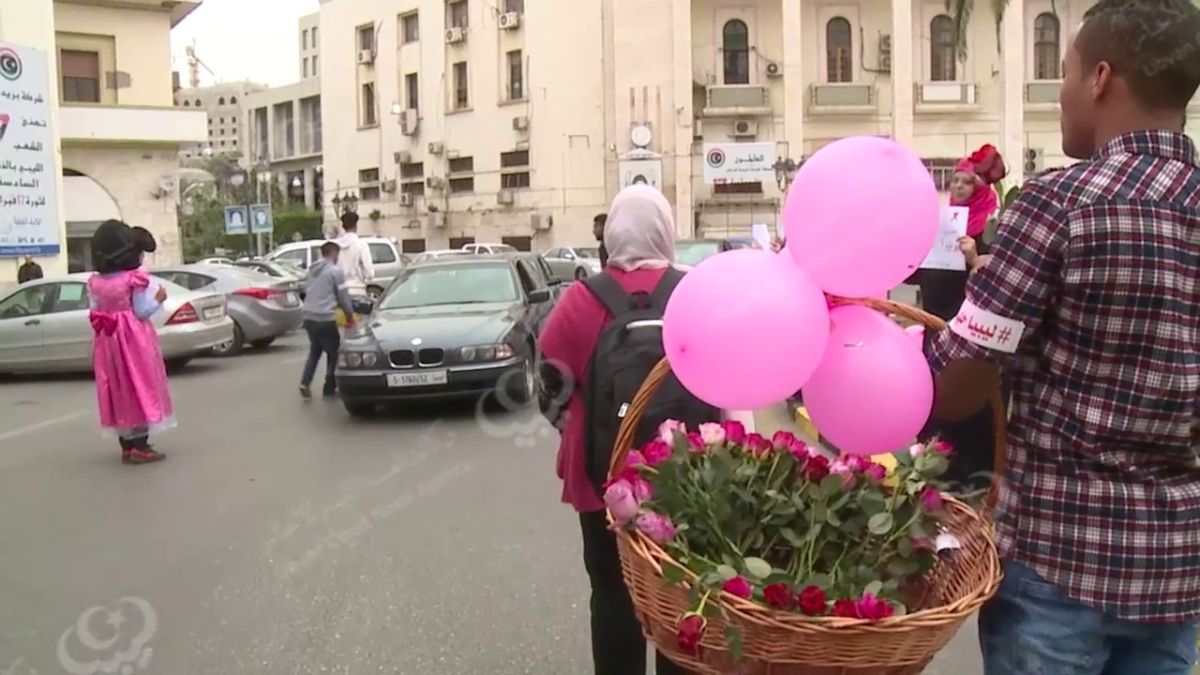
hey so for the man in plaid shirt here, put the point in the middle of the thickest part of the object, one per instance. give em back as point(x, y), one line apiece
point(1092, 302)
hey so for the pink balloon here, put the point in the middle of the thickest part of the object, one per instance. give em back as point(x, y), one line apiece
point(917, 333)
point(873, 391)
point(745, 329)
point(861, 215)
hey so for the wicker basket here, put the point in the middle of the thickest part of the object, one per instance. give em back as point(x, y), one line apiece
point(786, 643)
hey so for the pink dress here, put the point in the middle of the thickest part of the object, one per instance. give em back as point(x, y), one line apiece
point(131, 379)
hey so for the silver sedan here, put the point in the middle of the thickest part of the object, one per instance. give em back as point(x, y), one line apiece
point(574, 262)
point(44, 325)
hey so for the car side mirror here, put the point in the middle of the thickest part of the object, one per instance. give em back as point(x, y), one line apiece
point(568, 256)
point(539, 296)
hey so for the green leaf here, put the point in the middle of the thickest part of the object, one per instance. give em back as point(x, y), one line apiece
point(672, 574)
point(833, 519)
point(791, 537)
point(733, 639)
point(830, 486)
point(822, 581)
point(874, 588)
point(711, 610)
point(880, 523)
point(820, 512)
point(725, 573)
point(904, 547)
point(902, 567)
point(935, 464)
point(757, 567)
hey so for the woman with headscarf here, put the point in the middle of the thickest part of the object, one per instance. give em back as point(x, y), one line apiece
point(640, 239)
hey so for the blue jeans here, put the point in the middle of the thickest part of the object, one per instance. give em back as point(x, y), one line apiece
point(1032, 628)
point(323, 338)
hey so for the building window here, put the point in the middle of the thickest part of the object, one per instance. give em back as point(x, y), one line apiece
point(414, 188)
point(518, 178)
point(462, 165)
point(304, 39)
point(233, 100)
point(187, 104)
point(221, 101)
point(410, 170)
point(412, 91)
point(735, 45)
point(368, 185)
point(456, 13)
point(838, 55)
point(198, 103)
point(942, 171)
point(738, 189)
point(943, 60)
point(516, 76)
point(315, 43)
point(1047, 60)
point(410, 28)
point(412, 245)
point(462, 98)
point(81, 76)
point(316, 69)
point(367, 103)
point(305, 68)
point(366, 38)
point(517, 6)
point(464, 185)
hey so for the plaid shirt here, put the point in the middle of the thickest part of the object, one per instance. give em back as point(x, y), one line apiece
point(1101, 263)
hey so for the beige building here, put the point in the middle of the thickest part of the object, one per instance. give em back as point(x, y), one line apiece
point(456, 119)
point(310, 46)
point(118, 132)
point(225, 105)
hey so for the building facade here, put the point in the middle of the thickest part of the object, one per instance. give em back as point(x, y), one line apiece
point(453, 120)
point(118, 133)
point(310, 46)
point(224, 104)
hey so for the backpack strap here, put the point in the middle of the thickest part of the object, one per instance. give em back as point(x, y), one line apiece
point(664, 289)
point(610, 294)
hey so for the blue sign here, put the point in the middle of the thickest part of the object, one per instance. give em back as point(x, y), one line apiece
point(237, 220)
point(261, 220)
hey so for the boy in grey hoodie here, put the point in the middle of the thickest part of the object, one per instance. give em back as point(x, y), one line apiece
point(324, 294)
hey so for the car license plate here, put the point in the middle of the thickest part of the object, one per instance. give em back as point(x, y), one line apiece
point(213, 313)
point(292, 298)
point(423, 379)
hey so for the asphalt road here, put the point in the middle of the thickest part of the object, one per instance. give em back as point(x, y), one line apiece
point(280, 538)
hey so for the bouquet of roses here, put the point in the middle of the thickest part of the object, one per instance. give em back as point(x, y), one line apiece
point(778, 522)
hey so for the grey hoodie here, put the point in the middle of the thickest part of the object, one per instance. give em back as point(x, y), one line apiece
point(323, 292)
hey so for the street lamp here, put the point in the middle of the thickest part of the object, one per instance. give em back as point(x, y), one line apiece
point(785, 171)
point(347, 203)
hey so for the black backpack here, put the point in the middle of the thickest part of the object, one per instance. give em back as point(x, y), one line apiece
point(629, 346)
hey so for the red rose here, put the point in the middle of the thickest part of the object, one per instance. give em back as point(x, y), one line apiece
point(779, 595)
point(757, 445)
point(873, 608)
point(783, 440)
point(817, 468)
point(738, 586)
point(690, 631)
point(735, 432)
point(846, 609)
point(812, 601)
point(931, 500)
point(989, 165)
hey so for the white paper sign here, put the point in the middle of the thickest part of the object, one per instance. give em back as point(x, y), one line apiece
point(946, 255)
point(726, 163)
point(29, 222)
point(761, 235)
point(987, 329)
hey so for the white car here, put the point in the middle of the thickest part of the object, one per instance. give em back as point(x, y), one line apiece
point(488, 249)
point(574, 262)
point(44, 325)
point(385, 255)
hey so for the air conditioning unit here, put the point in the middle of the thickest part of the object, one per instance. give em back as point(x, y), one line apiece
point(539, 222)
point(504, 197)
point(510, 21)
point(697, 129)
point(774, 69)
point(366, 57)
point(436, 148)
point(388, 186)
point(437, 220)
point(745, 128)
point(409, 123)
point(405, 199)
point(1034, 158)
point(521, 123)
point(435, 182)
point(402, 157)
point(455, 35)
point(885, 53)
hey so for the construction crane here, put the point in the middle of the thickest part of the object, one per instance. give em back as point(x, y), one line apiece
point(195, 64)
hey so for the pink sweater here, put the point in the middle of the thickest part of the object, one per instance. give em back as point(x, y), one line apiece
point(570, 338)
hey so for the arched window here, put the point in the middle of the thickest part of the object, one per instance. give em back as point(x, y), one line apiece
point(197, 103)
point(839, 61)
point(187, 104)
point(1047, 56)
point(943, 61)
point(221, 101)
point(233, 101)
point(735, 45)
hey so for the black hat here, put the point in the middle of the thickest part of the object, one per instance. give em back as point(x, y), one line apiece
point(117, 247)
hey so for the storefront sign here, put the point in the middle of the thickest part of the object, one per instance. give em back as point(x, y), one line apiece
point(739, 163)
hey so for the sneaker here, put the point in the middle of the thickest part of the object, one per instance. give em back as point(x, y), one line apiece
point(305, 392)
point(143, 456)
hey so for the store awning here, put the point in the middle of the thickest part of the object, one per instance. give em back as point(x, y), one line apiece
point(85, 205)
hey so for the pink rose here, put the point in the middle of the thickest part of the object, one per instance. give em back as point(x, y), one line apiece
point(735, 432)
point(841, 469)
point(916, 450)
point(800, 451)
point(739, 586)
point(784, 440)
point(816, 468)
point(657, 527)
point(856, 463)
point(695, 443)
point(641, 489)
point(876, 473)
point(668, 429)
point(656, 452)
point(873, 608)
point(620, 501)
point(942, 447)
point(931, 500)
point(758, 446)
point(634, 459)
point(712, 434)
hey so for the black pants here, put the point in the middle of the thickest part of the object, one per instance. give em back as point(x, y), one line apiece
point(323, 338)
point(618, 647)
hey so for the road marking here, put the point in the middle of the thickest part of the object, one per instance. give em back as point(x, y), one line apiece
point(41, 425)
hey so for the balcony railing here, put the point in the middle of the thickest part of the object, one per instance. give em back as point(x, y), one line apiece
point(737, 100)
point(933, 96)
point(842, 97)
point(1042, 92)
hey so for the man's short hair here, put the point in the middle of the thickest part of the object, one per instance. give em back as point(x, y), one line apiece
point(600, 219)
point(349, 220)
point(329, 248)
point(1153, 45)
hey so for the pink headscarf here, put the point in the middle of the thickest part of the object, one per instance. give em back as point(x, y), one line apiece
point(640, 232)
point(982, 203)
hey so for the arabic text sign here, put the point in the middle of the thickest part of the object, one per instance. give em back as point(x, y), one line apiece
point(237, 220)
point(29, 223)
point(946, 255)
point(987, 329)
point(739, 163)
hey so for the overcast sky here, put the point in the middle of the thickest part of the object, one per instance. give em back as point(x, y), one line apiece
point(243, 40)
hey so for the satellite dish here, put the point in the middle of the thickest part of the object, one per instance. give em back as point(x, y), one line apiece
point(168, 183)
point(641, 136)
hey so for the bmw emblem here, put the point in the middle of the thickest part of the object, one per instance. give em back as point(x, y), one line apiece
point(416, 342)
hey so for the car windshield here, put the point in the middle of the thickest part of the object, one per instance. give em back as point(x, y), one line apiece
point(451, 285)
point(590, 252)
point(692, 253)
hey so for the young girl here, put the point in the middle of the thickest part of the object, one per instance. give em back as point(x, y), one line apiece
point(131, 379)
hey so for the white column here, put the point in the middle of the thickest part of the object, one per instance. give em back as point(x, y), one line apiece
point(310, 185)
point(1012, 119)
point(681, 32)
point(794, 94)
point(902, 71)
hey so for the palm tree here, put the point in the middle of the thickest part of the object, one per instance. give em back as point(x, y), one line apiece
point(960, 11)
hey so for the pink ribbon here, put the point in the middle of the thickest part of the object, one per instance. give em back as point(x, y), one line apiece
point(103, 323)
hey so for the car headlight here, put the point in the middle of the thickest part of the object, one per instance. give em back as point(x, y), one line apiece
point(352, 359)
point(485, 353)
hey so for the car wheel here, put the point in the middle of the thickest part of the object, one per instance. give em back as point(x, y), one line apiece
point(521, 389)
point(263, 343)
point(174, 366)
point(358, 409)
point(580, 273)
point(373, 292)
point(234, 345)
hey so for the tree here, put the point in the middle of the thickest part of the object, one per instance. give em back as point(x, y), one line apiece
point(961, 10)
